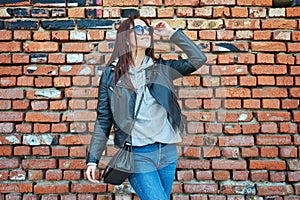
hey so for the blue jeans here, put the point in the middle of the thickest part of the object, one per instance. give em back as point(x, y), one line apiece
point(155, 166)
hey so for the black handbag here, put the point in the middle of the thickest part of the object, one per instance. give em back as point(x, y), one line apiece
point(121, 166)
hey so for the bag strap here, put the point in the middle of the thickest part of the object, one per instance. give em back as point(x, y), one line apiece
point(135, 117)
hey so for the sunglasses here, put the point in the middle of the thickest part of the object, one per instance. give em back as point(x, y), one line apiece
point(139, 30)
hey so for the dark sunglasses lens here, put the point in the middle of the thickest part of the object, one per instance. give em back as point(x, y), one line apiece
point(139, 30)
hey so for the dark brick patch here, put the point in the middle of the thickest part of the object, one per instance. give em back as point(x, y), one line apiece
point(94, 23)
point(58, 24)
point(22, 24)
point(40, 13)
point(129, 12)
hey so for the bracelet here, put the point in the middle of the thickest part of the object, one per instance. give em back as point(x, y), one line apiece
point(91, 164)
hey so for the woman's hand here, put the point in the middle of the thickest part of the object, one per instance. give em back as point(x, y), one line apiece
point(90, 172)
point(162, 28)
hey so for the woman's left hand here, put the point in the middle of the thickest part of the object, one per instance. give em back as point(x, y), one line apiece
point(162, 28)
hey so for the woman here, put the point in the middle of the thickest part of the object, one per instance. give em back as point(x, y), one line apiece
point(134, 76)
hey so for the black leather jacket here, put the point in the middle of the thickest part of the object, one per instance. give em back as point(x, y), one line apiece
point(117, 108)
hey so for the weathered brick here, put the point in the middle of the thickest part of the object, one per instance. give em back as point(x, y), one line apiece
point(274, 190)
point(257, 12)
point(254, 2)
point(293, 12)
point(221, 12)
point(58, 24)
point(229, 164)
point(242, 24)
point(77, 47)
point(279, 24)
point(16, 187)
point(197, 188)
point(236, 141)
point(40, 13)
point(233, 92)
point(205, 24)
point(40, 46)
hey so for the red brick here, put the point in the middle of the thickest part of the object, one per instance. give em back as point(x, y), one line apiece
point(16, 187)
point(60, 151)
point(254, 2)
point(211, 152)
point(200, 188)
point(54, 174)
point(295, 70)
point(230, 152)
point(269, 128)
point(42, 117)
point(288, 152)
point(11, 94)
point(10, 47)
point(294, 92)
point(41, 35)
point(51, 188)
point(56, 58)
point(273, 140)
point(76, 12)
point(279, 24)
point(265, 80)
point(257, 13)
point(5, 59)
point(229, 80)
point(267, 165)
point(246, 59)
point(5, 151)
point(229, 164)
point(248, 80)
point(271, 103)
point(78, 151)
point(5, 35)
point(285, 59)
point(62, 82)
point(236, 141)
point(268, 46)
point(239, 12)
point(232, 129)
point(185, 175)
point(289, 104)
point(250, 128)
point(195, 93)
point(281, 35)
point(11, 116)
point(207, 35)
point(293, 12)
point(165, 12)
point(270, 93)
point(181, 2)
point(294, 176)
point(240, 175)
point(9, 164)
point(60, 35)
point(41, 128)
point(203, 175)
point(233, 93)
point(39, 105)
point(269, 152)
point(232, 104)
point(8, 81)
point(20, 58)
point(40, 47)
point(220, 12)
point(194, 127)
point(277, 176)
point(41, 70)
point(72, 175)
point(259, 176)
point(262, 35)
point(25, 81)
point(39, 163)
point(24, 128)
point(190, 164)
point(296, 36)
point(293, 47)
point(113, 3)
point(72, 164)
point(88, 187)
point(35, 174)
point(77, 47)
point(226, 59)
point(242, 24)
point(74, 140)
point(4, 175)
point(58, 105)
point(41, 151)
point(82, 81)
point(5, 104)
point(211, 81)
point(274, 190)
point(284, 81)
point(184, 12)
point(250, 152)
point(221, 175)
point(22, 35)
point(151, 2)
point(22, 151)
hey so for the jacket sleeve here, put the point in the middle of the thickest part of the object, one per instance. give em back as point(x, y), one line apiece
point(103, 123)
point(196, 57)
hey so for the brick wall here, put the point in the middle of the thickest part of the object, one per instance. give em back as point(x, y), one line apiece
point(242, 137)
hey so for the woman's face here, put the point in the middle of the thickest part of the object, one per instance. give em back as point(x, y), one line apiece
point(143, 36)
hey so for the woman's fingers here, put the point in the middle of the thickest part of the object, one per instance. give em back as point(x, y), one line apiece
point(90, 173)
